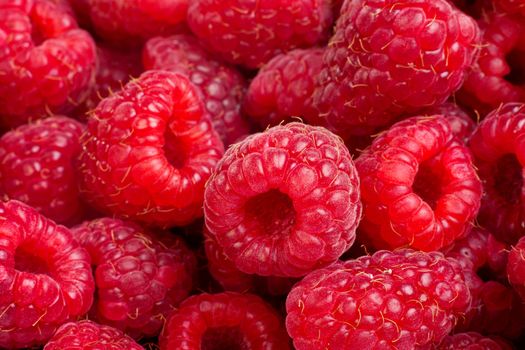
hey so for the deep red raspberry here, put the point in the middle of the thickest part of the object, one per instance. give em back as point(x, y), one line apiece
point(88, 335)
point(251, 32)
point(45, 277)
point(470, 341)
point(283, 89)
point(516, 267)
point(390, 300)
point(46, 62)
point(284, 202)
point(139, 277)
point(222, 87)
point(389, 57)
point(224, 321)
point(419, 186)
point(460, 122)
point(37, 167)
point(512, 6)
point(499, 152)
point(149, 150)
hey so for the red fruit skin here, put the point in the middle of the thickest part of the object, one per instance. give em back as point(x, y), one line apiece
point(511, 6)
point(419, 186)
point(386, 60)
point(516, 267)
point(90, 336)
point(45, 277)
point(284, 202)
point(46, 62)
point(224, 321)
point(470, 341)
point(140, 277)
point(275, 27)
point(222, 87)
point(148, 151)
point(460, 122)
point(405, 299)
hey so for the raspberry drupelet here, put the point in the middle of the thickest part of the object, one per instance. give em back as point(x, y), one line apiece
point(471, 341)
point(148, 151)
point(461, 123)
point(224, 321)
point(391, 300)
point(419, 186)
point(516, 267)
point(45, 277)
point(284, 202)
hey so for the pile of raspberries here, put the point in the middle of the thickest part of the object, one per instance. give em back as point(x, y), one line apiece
point(262, 174)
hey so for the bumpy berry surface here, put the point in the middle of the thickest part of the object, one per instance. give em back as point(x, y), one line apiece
point(252, 32)
point(139, 278)
point(512, 6)
point(87, 335)
point(469, 341)
point(46, 62)
point(390, 300)
point(419, 186)
point(148, 151)
point(45, 277)
point(516, 267)
point(222, 87)
point(387, 58)
point(460, 122)
point(283, 89)
point(224, 321)
point(285, 201)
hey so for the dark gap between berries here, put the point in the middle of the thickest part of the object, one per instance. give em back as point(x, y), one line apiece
point(508, 180)
point(224, 338)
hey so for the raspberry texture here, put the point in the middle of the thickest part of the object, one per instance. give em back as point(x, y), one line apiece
point(512, 6)
point(222, 87)
point(469, 341)
point(252, 32)
point(419, 186)
point(284, 202)
point(224, 321)
point(37, 167)
point(45, 277)
point(388, 57)
point(88, 335)
point(283, 89)
point(516, 267)
point(139, 277)
point(390, 300)
point(460, 122)
point(148, 151)
point(46, 62)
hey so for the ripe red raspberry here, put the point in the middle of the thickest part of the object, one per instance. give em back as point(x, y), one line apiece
point(391, 300)
point(470, 341)
point(46, 62)
point(224, 321)
point(284, 202)
point(45, 277)
point(516, 267)
point(283, 89)
point(148, 151)
point(419, 186)
point(512, 6)
point(222, 87)
point(387, 58)
point(460, 122)
point(88, 335)
point(37, 167)
point(498, 149)
point(251, 32)
point(139, 278)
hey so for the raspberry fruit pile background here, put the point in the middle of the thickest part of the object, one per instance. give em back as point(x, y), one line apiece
point(262, 174)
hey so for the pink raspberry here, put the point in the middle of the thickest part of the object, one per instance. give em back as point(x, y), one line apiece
point(470, 341)
point(148, 151)
point(284, 202)
point(419, 186)
point(45, 277)
point(404, 299)
point(251, 32)
point(388, 58)
point(460, 122)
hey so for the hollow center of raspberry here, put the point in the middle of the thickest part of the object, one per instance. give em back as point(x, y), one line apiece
point(174, 150)
point(427, 184)
point(224, 338)
point(27, 261)
point(273, 211)
point(508, 180)
point(516, 62)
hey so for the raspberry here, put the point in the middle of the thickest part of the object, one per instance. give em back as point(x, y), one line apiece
point(283, 88)
point(222, 87)
point(45, 277)
point(251, 32)
point(388, 57)
point(46, 62)
point(36, 167)
point(516, 267)
point(498, 151)
point(224, 321)
point(284, 202)
point(460, 122)
point(390, 300)
point(149, 150)
point(469, 341)
point(419, 186)
point(90, 336)
point(512, 6)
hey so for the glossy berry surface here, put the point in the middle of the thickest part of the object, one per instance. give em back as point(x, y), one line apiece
point(469, 341)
